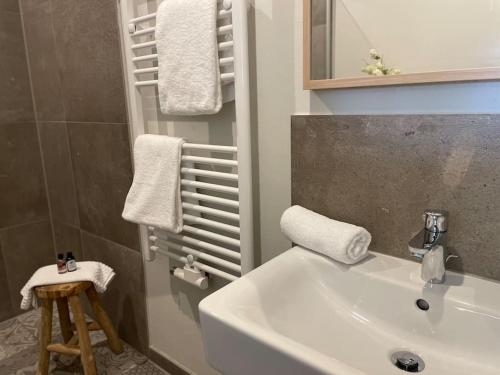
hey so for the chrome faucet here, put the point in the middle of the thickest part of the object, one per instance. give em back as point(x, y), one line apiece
point(429, 246)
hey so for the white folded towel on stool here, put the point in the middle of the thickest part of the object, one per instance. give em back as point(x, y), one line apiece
point(155, 195)
point(96, 272)
point(340, 241)
point(188, 58)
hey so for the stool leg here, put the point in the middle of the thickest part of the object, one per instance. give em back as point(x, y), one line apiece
point(102, 318)
point(87, 356)
point(64, 319)
point(45, 337)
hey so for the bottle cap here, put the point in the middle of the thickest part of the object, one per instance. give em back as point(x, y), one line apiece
point(69, 254)
point(60, 256)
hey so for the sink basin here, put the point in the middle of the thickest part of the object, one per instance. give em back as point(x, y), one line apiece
point(302, 313)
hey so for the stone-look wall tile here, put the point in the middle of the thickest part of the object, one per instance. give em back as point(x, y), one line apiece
point(22, 197)
point(67, 238)
point(103, 175)
point(40, 42)
point(59, 172)
point(125, 299)
point(89, 57)
point(25, 248)
point(6, 310)
point(15, 92)
point(381, 172)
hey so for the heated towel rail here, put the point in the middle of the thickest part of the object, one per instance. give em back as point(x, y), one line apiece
point(216, 181)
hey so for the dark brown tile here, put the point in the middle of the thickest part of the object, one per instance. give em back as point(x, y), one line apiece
point(6, 310)
point(67, 238)
point(15, 93)
point(28, 5)
point(45, 78)
point(25, 248)
point(22, 197)
point(59, 172)
point(381, 172)
point(125, 298)
point(9, 5)
point(90, 60)
point(103, 175)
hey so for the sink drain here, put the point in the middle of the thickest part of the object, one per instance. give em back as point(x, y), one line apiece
point(407, 361)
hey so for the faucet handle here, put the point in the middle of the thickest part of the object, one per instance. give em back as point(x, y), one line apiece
point(436, 221)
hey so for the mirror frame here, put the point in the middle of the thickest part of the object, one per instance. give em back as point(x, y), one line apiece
point(462, 75)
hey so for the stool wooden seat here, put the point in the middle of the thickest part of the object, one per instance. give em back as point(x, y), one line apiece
point(76, 336)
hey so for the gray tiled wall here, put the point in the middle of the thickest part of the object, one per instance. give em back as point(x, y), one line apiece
point(79, 98)
point(25, 235)
point(381, 172)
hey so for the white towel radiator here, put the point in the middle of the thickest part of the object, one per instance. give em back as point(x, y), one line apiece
point(216, 180)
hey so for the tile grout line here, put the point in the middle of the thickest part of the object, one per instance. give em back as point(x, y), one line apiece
point(107, 240)
point(73, 180)
point(24, 224)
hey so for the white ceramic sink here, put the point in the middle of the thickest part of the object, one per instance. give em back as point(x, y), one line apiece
point(302, 313)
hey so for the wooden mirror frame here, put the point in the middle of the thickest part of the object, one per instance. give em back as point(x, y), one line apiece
point(462, 75)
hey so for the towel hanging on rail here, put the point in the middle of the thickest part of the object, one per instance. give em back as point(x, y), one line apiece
point(188, 62)
point(155, 195)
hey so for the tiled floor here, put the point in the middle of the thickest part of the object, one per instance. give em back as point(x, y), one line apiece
point(19, 352)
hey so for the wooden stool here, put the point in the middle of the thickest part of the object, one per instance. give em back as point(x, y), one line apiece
point(78, 343)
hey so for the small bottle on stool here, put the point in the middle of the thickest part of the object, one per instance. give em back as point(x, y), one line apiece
point(61, 264)
point(70, 262)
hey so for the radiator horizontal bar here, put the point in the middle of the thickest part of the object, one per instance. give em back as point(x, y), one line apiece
point(146, 83)
point(211, 235)
point(213, 174)
point(222, 30)
point(227, 29)
point(146, 17)
point(196, 146)
point(147, 30)
point(226, 45)
point(211, 223)
point(151, 43)
point(195, 242)
point(211, 211)
point(222, 46)
point(226, 61)
point(153, 56)
point(153, 69)
point(222, 62)
point(223, 13)
point(225, 78)
point(213, 161)
point(207, 186)
point(211, 199)
point(201, 266)
point(199, 254)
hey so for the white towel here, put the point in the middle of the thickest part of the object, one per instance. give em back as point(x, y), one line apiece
point(96, 272)
point(155, 195)
point(188, 59)
point(343, 242)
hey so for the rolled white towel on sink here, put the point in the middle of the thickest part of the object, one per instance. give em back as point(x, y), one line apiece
point(346, 243)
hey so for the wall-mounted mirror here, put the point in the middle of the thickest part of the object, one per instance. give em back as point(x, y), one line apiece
point(355, 43)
